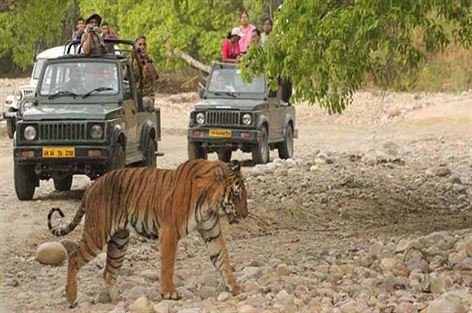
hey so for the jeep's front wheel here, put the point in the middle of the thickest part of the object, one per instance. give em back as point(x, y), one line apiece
point(25, 181)
point(224, 155)
point(11, 127)
point(286, 147)
point(261, 152)
point(150, 154)
point(117, 157)
point(196, 151)
point(63, 183)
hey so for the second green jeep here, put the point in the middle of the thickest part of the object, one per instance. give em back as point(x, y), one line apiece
point(233, 114)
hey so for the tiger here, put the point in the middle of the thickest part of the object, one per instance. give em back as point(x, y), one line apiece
point(162, 204)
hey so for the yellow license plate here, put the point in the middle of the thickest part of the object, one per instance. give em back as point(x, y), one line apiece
point(225, 133)
point(58, 152)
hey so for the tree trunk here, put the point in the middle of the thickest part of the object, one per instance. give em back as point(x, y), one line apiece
point(194, 62)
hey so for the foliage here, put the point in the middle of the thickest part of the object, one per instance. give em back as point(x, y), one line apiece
point(28, 25)
point(327, 48)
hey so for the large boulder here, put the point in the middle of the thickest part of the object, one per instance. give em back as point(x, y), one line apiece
point(51, 253)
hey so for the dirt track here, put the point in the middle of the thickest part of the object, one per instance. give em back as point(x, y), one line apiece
point(378, 185)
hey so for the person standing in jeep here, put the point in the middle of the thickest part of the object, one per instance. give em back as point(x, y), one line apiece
point(79, 29)
point(149, 73)
point(92, 42)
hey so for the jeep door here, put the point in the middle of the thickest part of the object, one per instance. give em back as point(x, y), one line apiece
point(129, 109)
point(276, 112)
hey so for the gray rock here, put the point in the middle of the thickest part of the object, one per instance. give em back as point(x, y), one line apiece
point(142, 305)
point(406, 307)
point(447, 303)
point(103, 297)
point(137, 292)
point(441, 284)
point(282, 269)
point(250, 272)
point(151, 275)
point(223, 296)
point(10, 282)
point(280, 172)
point(163, 306)
point(440, 171)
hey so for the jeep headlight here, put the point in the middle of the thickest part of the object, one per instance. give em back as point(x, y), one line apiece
point(29, 133)
point(96, 131)
point(27, 105)
point(200, 118)
point(247, 119)
point(18, 95)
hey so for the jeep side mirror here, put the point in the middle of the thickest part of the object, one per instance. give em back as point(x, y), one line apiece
point(126, 90)
point(286, 91)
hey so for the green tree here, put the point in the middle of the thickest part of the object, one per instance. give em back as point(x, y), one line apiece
point(328, 48)
point(28, 26)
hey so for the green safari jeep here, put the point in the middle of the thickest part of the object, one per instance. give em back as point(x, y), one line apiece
point(233, 114)
point(87, 117)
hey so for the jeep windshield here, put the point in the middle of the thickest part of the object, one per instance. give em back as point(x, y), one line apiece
point(228, 82)
point(79, 78)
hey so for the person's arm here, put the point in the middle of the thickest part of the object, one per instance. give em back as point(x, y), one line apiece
point(87, 43)
point(149, 66)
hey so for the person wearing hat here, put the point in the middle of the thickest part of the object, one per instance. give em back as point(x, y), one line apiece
point(230, 52)
point(92, 42)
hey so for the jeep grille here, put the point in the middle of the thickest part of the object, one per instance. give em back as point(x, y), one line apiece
point(62, 131)
point(222, 117)
point(28, 92)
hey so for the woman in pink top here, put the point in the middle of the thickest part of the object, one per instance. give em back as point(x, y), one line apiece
point(246, 29)
point(231, 50)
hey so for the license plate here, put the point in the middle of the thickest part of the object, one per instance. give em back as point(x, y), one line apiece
point(58, 152)
point(224, 133)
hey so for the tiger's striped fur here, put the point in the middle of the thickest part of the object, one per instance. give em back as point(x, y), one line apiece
point(157, 203)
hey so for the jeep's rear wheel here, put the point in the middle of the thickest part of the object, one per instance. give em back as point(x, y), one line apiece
point(196, 151)
point(286, 147)
point(224, 155)
point(25, 181)
point(117, 158)
point(63, 183)
point(150, 154)
point(261, 152)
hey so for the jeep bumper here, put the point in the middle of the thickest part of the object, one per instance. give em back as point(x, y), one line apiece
point(89, 160)
point(220, 136)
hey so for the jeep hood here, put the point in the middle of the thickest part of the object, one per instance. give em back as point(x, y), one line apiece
point(72, 112)
point(230, 104)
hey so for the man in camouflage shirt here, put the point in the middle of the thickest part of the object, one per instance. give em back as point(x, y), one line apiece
point(149, 73)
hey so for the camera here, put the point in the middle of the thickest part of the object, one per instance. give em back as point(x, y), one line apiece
point(94, 29)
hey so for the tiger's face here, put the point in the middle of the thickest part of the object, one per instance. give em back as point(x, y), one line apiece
point(234, 205)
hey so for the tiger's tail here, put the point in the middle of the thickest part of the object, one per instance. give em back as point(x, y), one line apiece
point(62, 231)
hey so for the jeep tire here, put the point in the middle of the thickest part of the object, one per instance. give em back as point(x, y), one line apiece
point(150, 153)
point(117, 159)
point(286, 147)
point(224, 155)
point(196, 151)
point(261, 152)
point(11, 125)
point(63, 183)
point(25, 181)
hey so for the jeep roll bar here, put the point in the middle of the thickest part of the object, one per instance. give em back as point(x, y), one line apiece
point(77, 46)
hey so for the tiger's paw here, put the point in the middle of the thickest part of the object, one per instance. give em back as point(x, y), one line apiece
point(172, 295)
point(236, 289)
